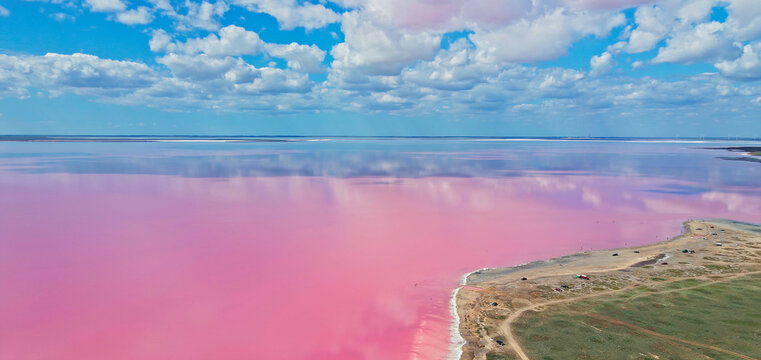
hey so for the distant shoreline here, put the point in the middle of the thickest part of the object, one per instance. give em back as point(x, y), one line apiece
point(750, 153)
point(299, 138)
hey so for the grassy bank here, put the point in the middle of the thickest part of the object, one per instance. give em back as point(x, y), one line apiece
point(687, 319)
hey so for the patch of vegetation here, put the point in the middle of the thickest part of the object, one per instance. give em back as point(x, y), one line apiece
point(720, 268)
point(496, 356)
point(724, 314)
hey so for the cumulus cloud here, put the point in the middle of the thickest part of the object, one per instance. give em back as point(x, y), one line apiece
point(657, 22)
point(653, 24)
point(199, 67)
point(4, 11)
point(304, 58)
point(236, 41)
point(683, 32)
point(224, 76)
point(513, 30)
point(392, 58)
point(695, 10)
point(444, 15)
point(453, 69)
point(376, 49)
point(546, 37)
point(745, 19)
point(602, 64)
point(273, 80)
point(231, 40)
point(106, 5)
point(196, 80)
point(161, 41)
point(79, 73)
point(290, 14)
point(605, 4)
point(140, 16)
point(705, 42)
point(747, 67)
point(193, 15)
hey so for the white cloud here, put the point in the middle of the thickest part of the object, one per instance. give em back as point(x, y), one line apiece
point(204, 15)
point(543, 38)
point(304, 58)
point(688, 34)
point(290, 15)
point(274, 80)
point(106, 5)
point(695, 11)
point(199, 67)
point(453, 69)
point(602, 64)
point(653, 24)
point(88, 71)
point(705, 42)
point(375, 49)
point(746, 67)
point(745, 19)
point(140, 16)
point(80, 73)
point(604, 4)
point(164, 5)
point(392, 58)
point(236, 41)
point(197, 15)
point(556, 83)
point(61, 17)
point(231, 40)
point(161, 41)
point(221, 76)
point(4, 11)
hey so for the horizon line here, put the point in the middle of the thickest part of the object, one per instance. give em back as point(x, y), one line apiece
point(74, 137)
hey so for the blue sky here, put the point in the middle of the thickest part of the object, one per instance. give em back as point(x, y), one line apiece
point(381, 67)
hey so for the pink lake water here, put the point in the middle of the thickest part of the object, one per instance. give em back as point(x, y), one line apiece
point(346, 249)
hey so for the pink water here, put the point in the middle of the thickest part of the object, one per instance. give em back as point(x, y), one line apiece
point(155, 266)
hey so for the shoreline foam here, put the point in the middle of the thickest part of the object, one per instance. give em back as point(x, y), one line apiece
point(456, 341)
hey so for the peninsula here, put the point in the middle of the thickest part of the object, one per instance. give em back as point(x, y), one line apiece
point(696, 296)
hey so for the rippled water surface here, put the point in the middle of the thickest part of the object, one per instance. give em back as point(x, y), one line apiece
point(339, 249)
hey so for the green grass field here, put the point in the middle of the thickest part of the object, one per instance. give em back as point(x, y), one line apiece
point(726, 315)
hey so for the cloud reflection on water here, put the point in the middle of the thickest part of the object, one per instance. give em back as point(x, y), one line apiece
point(699, 168)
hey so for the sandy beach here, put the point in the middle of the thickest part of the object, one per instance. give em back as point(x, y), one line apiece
point(490, 300)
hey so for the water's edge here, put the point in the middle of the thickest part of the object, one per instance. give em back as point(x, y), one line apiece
point(456, 341)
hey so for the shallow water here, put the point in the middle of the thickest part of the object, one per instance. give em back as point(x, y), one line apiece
point(340, 249)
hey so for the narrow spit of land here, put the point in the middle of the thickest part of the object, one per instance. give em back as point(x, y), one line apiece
point(748, 153)
point(696, 296)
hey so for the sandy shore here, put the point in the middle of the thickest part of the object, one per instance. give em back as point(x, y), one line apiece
point(488, 298)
